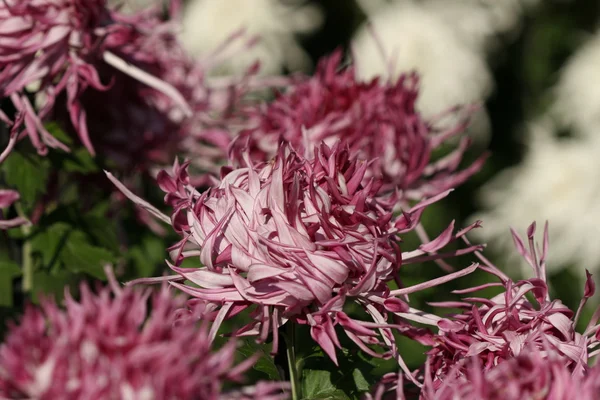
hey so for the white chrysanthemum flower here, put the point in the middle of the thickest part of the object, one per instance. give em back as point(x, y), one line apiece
point(479, 23)
point(577, 103)
point(557, 181)
point(207, 23)
point(414, 38)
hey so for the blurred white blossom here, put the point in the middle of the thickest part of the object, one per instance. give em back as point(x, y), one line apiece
point(577, 95)
point(479, 23)
point(557, 181)
point(415, 38)
point(207, 23)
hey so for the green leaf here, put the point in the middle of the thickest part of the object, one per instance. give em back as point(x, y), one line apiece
point(26, 173)
point(265, 363)
point(360, 381)
point(53, 284)
point(319, 384)
point(80, 256)
point(147, 255)
point(56, 131)
point(102, 230)
point(78, 160)
point(8, 272)
point(46, 244)
point(61, 246)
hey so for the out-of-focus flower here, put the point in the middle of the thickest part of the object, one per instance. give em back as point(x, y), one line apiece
point(533, 374)
point(207, 23)
point(556, 175)
point(54, 48)
point(522, 315)
point(109, 345)
point(406, 37)
point(7, 198)
point(480, 24)
point(294, 239)
point(577, 103)
point(138, 126)
point(376, 119)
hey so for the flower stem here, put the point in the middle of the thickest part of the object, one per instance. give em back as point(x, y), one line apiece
point(26, 260)
point(291, 356)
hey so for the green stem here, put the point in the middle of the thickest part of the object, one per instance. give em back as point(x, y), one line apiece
point(291, 356)
point(26, 259)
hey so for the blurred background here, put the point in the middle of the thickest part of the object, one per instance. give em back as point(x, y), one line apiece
point(534, 66)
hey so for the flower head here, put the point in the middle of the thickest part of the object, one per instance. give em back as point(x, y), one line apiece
point(405, 36)
point(376, 119)
point(85, 45)
point(522, 315)
point(533, 374)
point(50, 44)
point(109, 345)
point(294, 239)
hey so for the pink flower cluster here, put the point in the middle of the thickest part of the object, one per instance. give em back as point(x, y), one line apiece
point(533, 374)
point(517, 344)
point(294, 239)
point(108, 346)
point(377, 120)
point(149, 96)
point(500, 328)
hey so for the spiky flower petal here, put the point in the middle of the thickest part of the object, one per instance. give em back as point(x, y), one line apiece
point(522, 315)
point(377, 120)
point(109, 345)
point(295, 239)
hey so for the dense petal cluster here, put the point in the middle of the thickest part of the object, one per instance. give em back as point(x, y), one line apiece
point(533, 374)
point(146, 85)
point(294, 239)
point(415, 35)
point(522, 315)
point(50, 44)
point(108, 345)
point(376, 119)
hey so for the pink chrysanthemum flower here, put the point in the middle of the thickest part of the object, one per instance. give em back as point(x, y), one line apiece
point(58, 46)
point(533, 374)
point(7, 198)
point(138, 126)
point(110, 346)
point(294, 239)
point(498, 329)
point(377, 120)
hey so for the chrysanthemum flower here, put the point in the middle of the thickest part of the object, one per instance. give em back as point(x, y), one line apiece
point(413, 35)
point(275, 23)
point(533, 374)
point(7, 198)
point(110, 346)
point(498, 329)
point(376, 119)
point(293, 240)
point(56, 47)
